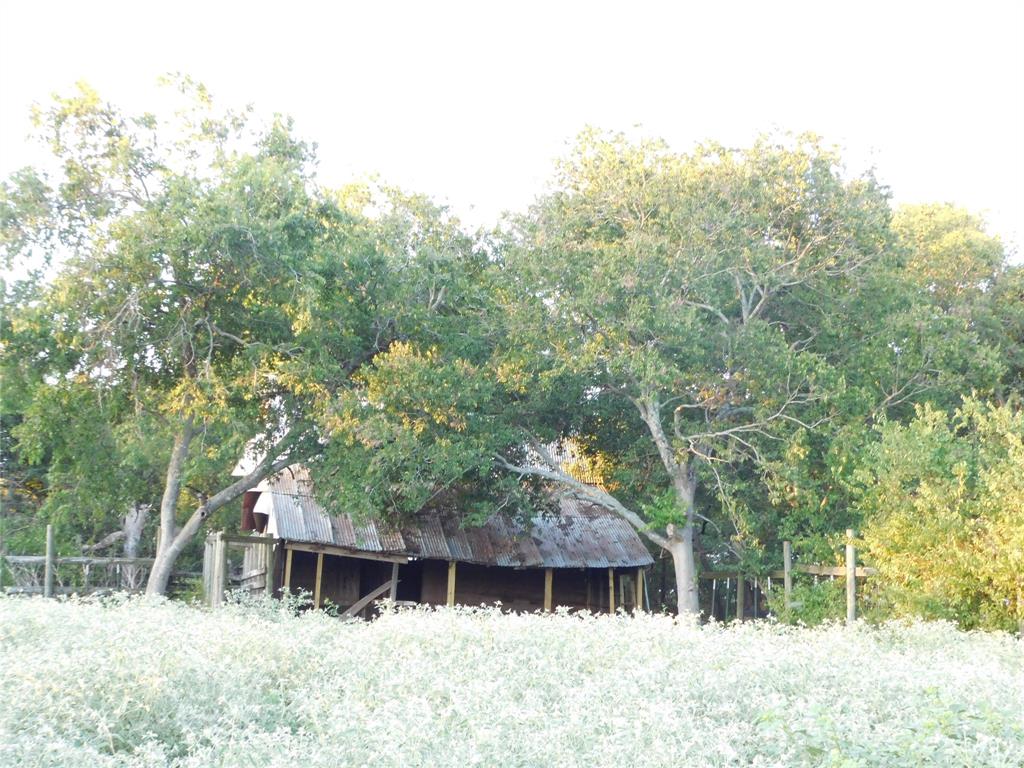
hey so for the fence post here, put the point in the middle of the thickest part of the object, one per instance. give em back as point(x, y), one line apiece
point(208, 571)
point(851, 579)
point(271, 566)
point(220, 582)
point(787, 572)
point(48, 567)
point(741, 584)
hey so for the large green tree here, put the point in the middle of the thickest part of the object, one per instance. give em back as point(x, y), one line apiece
point(205, 282)
point(644, 314)
point(932, 320)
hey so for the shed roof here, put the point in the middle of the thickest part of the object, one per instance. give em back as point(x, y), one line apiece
point(581, 535)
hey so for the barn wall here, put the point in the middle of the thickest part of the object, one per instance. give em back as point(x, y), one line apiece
point(340, 580)
point(522, 589)
point(345, 580)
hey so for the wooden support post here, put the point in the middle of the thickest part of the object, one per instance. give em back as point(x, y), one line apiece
point(451, 583)
point(611, 590)
point(271, 566)
point(319, 579)
point(851, 579)
point(549, 577)
point(787, 572)
point(590, 591)
point(220, 585)
point(639, 589)
point(288, 568)
point(49, 564)
point(1020, 607)
point(741, 588)
point(393, 594)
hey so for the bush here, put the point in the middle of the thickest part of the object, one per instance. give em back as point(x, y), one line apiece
point(137, 682)
point(812, 604)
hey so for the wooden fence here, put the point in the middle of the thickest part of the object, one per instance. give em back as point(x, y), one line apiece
point(850, 572)
point(50, 574)
point(259, 560)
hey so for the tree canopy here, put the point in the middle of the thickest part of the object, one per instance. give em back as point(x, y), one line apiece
point(746, 345)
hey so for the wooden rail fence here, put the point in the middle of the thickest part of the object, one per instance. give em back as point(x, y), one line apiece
point(49, 574)
point(850, 572)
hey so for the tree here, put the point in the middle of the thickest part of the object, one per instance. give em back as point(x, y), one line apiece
point(928, 322)
point(641, 314)
point(941, 499)
point(208, 287)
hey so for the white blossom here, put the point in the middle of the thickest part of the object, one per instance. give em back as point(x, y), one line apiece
point(155, 683)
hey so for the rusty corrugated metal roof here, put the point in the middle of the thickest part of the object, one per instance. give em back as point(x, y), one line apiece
point(580, 535)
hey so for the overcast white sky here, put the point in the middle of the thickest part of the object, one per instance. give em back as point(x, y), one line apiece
point(471, 102)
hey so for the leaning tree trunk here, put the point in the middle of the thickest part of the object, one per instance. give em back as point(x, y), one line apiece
point(163, 565)
point(173, 541)
point(166, 552)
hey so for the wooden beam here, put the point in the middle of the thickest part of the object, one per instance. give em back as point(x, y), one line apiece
point(639, 589)
point(220, 583)
point(548, 581)
point(331, 549)
point(238, 538)
point(288, 569)
point(48, 566)
point(451, 583)
point(831, 570)
point(98, 561)
point(741, 596)
point(590, 591)
point(365, 601)
point(851, 579)
point(817, 570)
point(611, 590)
point(787, 571)
point(271, 566)
point(319, 579)
point(393, 594)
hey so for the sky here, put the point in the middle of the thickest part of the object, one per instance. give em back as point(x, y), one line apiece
point(471, 103)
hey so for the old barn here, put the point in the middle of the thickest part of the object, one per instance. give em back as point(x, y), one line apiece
point(584, 557)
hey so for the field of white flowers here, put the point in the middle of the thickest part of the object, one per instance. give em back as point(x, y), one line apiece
point(137, 683)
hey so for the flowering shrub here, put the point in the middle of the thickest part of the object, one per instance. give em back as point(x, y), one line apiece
point(151, 683)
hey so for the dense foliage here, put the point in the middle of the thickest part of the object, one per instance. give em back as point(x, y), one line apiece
point(463, 687)
point(943, 498)
point(748, 345)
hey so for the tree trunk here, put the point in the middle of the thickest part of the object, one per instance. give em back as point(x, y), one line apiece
point(163, 565)
point(681, 549)
point(171, 546)
point(134, 523)
point(166, 552)
point(679, 540)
